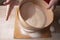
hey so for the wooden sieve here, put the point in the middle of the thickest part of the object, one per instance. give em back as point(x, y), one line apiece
point(34, 15)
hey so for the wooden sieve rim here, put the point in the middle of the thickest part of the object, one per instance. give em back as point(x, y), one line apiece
point(25, 25)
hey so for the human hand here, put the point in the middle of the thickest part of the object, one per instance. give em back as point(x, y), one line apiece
point(52, 3)
point(6, 2)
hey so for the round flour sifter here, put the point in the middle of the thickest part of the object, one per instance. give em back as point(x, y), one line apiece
point(34, 15)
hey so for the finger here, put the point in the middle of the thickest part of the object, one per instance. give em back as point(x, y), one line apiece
point(7, 1)
point(50, 6)
point(52, 3)
point(6, 19)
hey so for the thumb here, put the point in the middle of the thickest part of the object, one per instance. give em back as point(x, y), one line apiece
point(50, 6)
point(52, 3)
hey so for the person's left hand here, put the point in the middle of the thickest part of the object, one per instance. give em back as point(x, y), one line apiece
point(6, 2)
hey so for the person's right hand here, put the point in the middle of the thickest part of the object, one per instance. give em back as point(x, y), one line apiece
point(52, 3)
